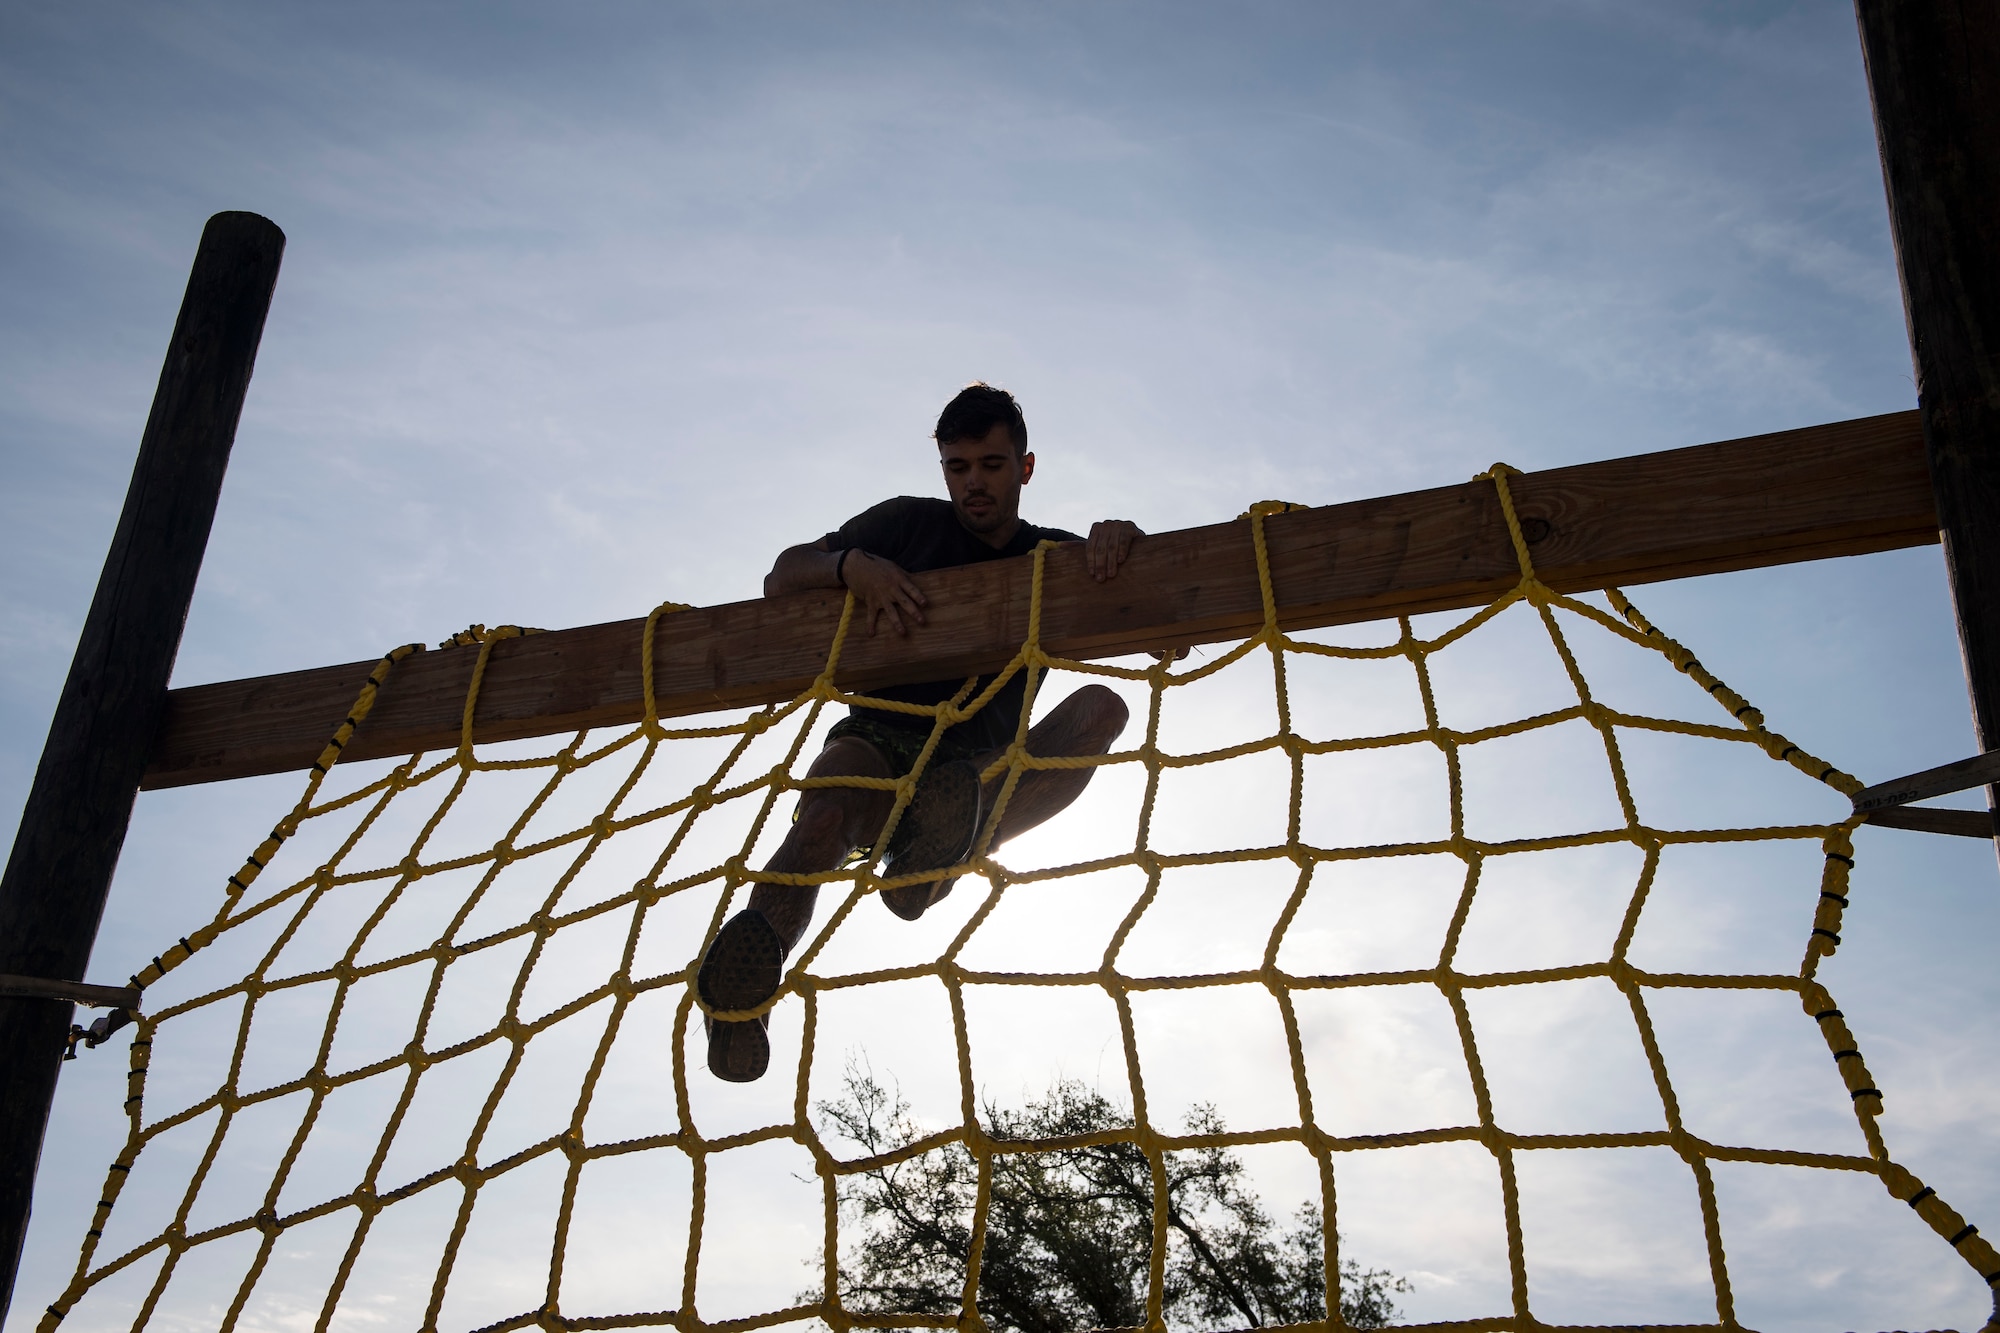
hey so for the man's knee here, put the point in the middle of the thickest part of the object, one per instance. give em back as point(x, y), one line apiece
point(851, 756)
point(1101, 714)
point(820, 817)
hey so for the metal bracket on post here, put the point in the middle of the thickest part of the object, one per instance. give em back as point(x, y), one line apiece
point(1887, 803)
point(122, 1001)
point(76, 992)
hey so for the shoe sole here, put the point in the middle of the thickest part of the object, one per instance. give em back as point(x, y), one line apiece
point(913, 900)
point(741, 970)
point(938, 830)
point(737, 1052)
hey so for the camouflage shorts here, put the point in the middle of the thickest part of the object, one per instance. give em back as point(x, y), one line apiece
point(901, 745)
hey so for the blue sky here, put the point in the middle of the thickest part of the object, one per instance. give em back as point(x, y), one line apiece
point(587, 308)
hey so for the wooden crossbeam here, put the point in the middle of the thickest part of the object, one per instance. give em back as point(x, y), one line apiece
point(1841, 489)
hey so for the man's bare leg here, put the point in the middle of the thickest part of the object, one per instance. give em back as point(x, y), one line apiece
point(745, 963)
point(832, 822)
point(1086, 723)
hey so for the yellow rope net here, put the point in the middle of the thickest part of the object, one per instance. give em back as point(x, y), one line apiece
point(373, 1195)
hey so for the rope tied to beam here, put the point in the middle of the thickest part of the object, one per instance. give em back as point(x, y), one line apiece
point(736, 783)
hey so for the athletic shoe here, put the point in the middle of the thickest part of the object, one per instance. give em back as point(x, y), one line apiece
point(937, 831)
point(741, 970)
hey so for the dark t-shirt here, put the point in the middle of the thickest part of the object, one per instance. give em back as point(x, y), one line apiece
point(918, 534)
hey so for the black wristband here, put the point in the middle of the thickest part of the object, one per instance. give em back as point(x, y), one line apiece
point(841, 564)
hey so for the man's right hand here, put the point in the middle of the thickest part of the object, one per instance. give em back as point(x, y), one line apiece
point(884, 590)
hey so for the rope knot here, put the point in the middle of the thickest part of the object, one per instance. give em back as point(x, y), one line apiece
point(1265, 508)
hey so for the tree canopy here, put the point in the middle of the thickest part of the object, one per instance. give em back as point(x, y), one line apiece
point(1069, 1231)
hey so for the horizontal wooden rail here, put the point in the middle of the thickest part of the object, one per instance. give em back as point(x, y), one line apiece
point(1842, 489)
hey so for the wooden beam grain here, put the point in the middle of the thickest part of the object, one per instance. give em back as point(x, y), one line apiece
point(1842, 489)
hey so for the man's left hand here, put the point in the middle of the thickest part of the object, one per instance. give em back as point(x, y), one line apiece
point(1109, 543)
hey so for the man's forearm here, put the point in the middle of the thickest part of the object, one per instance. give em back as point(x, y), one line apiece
point(802, 568)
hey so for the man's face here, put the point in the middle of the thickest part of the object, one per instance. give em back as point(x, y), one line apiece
point(985, 477)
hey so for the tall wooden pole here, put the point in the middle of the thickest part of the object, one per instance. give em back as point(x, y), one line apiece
point(1934, 75)
point(114, 699)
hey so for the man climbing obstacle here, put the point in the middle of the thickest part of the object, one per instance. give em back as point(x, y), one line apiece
point(982, 444)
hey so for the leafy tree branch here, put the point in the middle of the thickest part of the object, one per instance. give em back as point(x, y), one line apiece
point(1069, 1231)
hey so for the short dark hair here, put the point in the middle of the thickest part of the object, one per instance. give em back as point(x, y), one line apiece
point(977, 409)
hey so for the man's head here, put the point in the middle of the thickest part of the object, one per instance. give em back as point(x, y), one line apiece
point(983, 445)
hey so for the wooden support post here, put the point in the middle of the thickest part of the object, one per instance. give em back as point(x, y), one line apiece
point(1934, 75)
point(115, 697)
